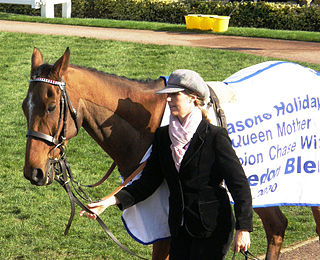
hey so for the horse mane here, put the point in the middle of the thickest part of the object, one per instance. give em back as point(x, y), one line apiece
point(42, 70)
point(46, 67)
point(148, 80)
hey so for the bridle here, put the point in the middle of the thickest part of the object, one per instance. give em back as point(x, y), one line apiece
point(65, 103)
point(61, 167)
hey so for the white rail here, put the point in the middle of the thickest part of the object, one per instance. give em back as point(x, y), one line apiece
point(47, 6)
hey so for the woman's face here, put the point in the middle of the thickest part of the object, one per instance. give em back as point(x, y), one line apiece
point(180, 104)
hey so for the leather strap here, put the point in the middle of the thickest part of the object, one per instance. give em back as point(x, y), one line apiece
point(247, 255)
point(64, 182)
point(42, 136)
point(130, 178)
point(112, 167)
point(218, 109)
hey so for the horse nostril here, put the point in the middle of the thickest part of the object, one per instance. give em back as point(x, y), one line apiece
point(37, 175)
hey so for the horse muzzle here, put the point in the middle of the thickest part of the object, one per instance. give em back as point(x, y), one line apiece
point(38, 177)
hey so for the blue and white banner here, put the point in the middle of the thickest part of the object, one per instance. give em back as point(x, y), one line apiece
point(273, 118)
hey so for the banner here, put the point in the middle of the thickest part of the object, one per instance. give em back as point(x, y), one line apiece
point(273, 119)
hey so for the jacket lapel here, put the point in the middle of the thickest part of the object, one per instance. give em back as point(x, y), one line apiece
point(168, 154)
point(195, 144)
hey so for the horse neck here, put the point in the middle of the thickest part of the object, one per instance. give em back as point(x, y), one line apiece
point(121, 115)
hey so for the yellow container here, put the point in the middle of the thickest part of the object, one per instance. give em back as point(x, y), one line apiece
point(192, 21)
point(221, 23)
point(207, 22)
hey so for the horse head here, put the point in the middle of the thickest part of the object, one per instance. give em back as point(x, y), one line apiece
point(51, 119)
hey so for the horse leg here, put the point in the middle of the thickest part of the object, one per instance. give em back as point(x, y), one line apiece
point(160, 250)
point(275, 224)
point(316, 216)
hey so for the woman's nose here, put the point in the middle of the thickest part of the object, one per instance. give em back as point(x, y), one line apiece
point(169, 98)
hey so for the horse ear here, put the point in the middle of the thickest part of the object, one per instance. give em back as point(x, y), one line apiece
point(36, 60)
point(61, 65)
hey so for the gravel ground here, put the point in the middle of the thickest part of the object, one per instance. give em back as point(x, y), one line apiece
point(281, 49)
point(308, 250)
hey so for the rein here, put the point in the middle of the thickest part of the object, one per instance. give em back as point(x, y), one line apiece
point(61, 167)
point(247, 255)
point(64, 177)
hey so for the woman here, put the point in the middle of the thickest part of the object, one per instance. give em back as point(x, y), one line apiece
point(194, 157)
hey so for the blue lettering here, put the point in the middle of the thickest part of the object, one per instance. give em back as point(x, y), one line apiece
point(239, 126)
point(297, 166)
point(253, 180)
point(247, 139)
point(277, 151)
point(280, 109)
point(269, 175)
point(298, 105)
point(289, 166)
point(267, 116)
point(306, 142)
point(310, 142)
point(251, 159)
point(296, 125)
point(309, 167)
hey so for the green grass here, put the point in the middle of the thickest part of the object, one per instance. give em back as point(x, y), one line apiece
point(236, 31)
point(33, 218)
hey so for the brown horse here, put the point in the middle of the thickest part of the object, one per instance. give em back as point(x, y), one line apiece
point(120, 114)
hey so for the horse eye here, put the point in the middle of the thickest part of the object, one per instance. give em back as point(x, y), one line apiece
point(51, 107)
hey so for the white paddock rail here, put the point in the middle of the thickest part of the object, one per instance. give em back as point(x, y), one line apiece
point(47, 6)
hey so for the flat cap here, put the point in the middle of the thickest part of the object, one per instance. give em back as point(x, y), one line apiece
point(183, 79)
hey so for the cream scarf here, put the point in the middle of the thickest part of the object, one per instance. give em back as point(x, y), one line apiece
point(181, 134)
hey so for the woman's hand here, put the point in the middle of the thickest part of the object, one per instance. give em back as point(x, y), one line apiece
point(241, 241)
point(98, 207)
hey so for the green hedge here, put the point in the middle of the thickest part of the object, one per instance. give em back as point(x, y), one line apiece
point(248, 14)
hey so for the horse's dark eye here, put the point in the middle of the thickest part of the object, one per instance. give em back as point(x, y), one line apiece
point(51, 107)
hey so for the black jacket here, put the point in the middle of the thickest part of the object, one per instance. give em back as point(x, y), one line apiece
point(197, 198)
